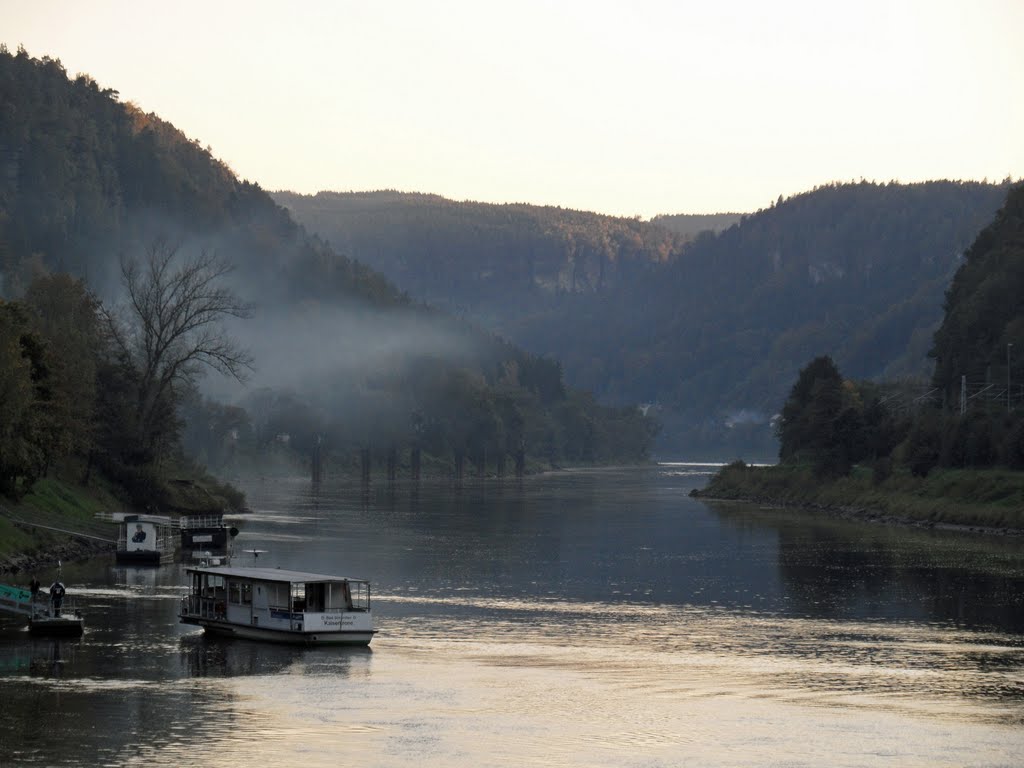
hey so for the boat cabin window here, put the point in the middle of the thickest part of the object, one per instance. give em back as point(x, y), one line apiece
point(316, 598)
point(208, 585)
point(331, 596)
point(240, 592)
point(298, 597)
point(277, 594)
point(359, 595)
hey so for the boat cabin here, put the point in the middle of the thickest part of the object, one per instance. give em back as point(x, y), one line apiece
point(276, 604)
point(145, 540)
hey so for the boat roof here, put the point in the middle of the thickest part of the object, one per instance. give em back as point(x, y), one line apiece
point(267, 574)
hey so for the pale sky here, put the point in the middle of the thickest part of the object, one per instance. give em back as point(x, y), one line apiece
point(640, 107)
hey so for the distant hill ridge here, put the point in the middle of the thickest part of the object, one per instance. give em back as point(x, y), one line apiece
point(483, 258)
point(712, 328)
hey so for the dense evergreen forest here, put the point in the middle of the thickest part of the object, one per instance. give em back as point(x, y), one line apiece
point(950, 455)
point(975, 414)
point(132, 260)
point(711, 329)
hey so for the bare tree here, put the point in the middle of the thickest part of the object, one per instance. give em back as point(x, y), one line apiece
point(172, 327)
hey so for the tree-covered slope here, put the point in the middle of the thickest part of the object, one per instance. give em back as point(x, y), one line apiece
point(89, 184)
point(492, 261)
point(853, 270)
point(983, 329)
point(85, 178)
point(712, 328)
point(954, 456)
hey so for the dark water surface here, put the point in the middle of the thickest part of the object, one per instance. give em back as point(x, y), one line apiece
point(584, 618)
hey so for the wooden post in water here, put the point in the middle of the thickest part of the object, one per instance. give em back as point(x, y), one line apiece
point(520, 461)
point(500, 465)
point(392, 466)
point(459, 458)
point(365, 466)
point(318, 466)
point(414, 462)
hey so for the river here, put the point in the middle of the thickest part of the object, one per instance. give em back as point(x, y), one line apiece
point(582, 618)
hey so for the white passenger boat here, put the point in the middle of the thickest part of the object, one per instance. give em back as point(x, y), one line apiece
point(278, 605)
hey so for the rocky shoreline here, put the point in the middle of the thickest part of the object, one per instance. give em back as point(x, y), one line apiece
point(40, 561)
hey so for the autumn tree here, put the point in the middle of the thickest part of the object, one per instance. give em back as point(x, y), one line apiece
point(170, 329)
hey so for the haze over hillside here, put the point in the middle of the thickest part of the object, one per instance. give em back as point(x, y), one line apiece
point(86, 181)
point(711, 329)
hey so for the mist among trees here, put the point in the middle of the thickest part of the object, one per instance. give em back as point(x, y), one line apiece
point(114, 218)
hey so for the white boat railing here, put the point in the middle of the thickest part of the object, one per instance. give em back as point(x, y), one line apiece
point(185, 522)
point(188, 522)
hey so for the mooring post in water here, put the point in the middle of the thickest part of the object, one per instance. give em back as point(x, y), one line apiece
point(392, 466)
point(520, 461)
point(414, 464)
point(364, 456)
point(458, 466)
point(500, 465)
point(317, 461)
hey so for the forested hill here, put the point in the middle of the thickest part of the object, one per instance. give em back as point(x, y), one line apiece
point(490, 260)
point(713, 329)
point(982, 334)
point(85, 178)
point(716, 336)
point(691, 225)
point(89, 184)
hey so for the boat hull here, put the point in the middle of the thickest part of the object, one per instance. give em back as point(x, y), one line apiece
point(143, 557)
point(57, 626)
point(205, 538)
point(287, 637)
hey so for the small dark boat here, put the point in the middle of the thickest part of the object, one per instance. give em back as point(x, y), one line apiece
point(47, 614)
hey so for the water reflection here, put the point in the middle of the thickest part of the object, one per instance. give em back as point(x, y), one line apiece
point(835, 568)
point(203, 655)
point(23, 653)
point(586, 618)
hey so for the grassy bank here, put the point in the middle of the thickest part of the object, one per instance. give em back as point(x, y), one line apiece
point(32, 528)
point(50, 508)
point(990, 498)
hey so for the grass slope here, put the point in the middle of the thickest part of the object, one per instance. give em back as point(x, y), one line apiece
point(992, 499)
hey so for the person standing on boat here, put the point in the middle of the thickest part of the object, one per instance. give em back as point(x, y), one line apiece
point(56, 596)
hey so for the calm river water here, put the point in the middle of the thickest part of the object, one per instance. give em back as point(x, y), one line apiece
point(583, 618)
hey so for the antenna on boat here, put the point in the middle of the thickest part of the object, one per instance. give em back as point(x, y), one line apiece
point(255, 552)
